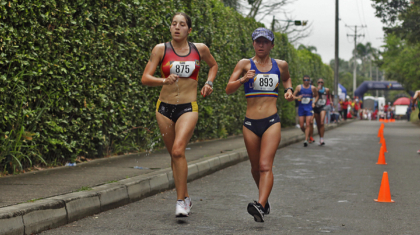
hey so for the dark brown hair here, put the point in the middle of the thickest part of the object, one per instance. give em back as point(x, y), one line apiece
point(187, 18)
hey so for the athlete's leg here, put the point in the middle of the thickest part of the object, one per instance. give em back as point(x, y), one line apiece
point(253, 146)
point(308, 126)
point(321, 125)
point(184, 129)
point(269, 144)
point(317, 117)
point(167, 130)
point(302, 123)
point(311, 127)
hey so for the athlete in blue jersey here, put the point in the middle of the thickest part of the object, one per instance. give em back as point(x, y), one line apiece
point(304, 94)
point(261, 76)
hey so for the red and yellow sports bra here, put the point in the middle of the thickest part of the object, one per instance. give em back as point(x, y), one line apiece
point(186, 66)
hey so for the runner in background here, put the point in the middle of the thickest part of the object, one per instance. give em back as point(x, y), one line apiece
point(311, 127)
point(304, 93)
point(319, 110)
point(416, 99)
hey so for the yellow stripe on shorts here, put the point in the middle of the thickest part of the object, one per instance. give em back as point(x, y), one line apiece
point(194, 106)
point(157, 105)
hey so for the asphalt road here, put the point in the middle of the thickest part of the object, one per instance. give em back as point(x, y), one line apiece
point(317, 189)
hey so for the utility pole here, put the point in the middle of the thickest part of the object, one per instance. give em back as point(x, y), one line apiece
point(377, 79)
point(354, 52)
point(336, 60)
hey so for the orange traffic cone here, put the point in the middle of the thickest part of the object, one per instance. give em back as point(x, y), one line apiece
point(383, 142)
point(381, 157)
point(384, 192)
point(381, 120)
point(392, 120)
point(381, 131)
point(385, 120)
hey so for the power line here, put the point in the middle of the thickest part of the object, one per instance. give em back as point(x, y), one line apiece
point(364, 19)
point(355, 35)
point(358, 12)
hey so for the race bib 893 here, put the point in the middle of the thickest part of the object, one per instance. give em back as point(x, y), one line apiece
point(266, 82)
point(183, 69)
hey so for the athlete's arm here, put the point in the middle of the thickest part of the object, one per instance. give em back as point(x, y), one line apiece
point(211, 62)
point(413, 102)
point(297, 90)
point(315, 94)
point(235, 80)
point(285, 78)
point(148, 79)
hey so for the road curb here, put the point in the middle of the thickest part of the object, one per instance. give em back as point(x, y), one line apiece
point(41, 215)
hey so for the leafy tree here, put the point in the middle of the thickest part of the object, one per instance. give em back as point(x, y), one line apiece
point(234, 4)
point(401, 18)
point(401, 61)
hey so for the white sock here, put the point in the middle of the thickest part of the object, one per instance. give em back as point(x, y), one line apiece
point(322, 139)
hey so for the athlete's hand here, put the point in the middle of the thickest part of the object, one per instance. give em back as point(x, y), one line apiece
point(289, 95)
point(171, 79)
point(250, 74)
point(206, 90)
point(313, 105)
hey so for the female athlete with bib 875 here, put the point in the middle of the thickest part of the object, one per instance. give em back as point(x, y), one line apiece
point(176, 108)
point(260, 77)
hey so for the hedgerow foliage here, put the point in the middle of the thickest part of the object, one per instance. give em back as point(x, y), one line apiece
point(71, 69)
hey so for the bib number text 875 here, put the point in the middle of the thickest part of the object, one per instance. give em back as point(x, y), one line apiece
point(181, 68)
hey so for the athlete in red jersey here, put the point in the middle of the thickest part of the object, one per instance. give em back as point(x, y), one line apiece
point(177, 110)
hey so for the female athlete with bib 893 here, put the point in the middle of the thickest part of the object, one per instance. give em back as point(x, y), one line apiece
point(176, 109)
point(260, 77)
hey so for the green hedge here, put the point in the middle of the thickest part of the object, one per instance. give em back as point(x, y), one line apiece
point(71, 69)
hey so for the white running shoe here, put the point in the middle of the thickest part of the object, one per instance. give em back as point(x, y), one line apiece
point(188, 204)
point(181, 209)
point(418, 151)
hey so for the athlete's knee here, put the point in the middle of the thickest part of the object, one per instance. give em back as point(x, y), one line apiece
point(177, 152)
point(264, 168)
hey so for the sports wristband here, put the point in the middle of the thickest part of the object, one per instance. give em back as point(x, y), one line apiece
point(289, 88)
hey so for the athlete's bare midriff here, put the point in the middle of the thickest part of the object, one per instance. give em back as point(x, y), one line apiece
point(181, 92)
point(261, 107)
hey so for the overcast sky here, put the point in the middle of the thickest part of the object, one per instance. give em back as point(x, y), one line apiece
point(322, 15)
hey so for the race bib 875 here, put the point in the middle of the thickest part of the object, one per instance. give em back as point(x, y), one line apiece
point(266, 82)
point(183, 69)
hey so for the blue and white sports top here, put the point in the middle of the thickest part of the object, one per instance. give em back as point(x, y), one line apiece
point(322, 100)
point(263, 84)
point(307, 96)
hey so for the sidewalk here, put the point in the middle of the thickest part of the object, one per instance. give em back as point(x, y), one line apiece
point(65, 194)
